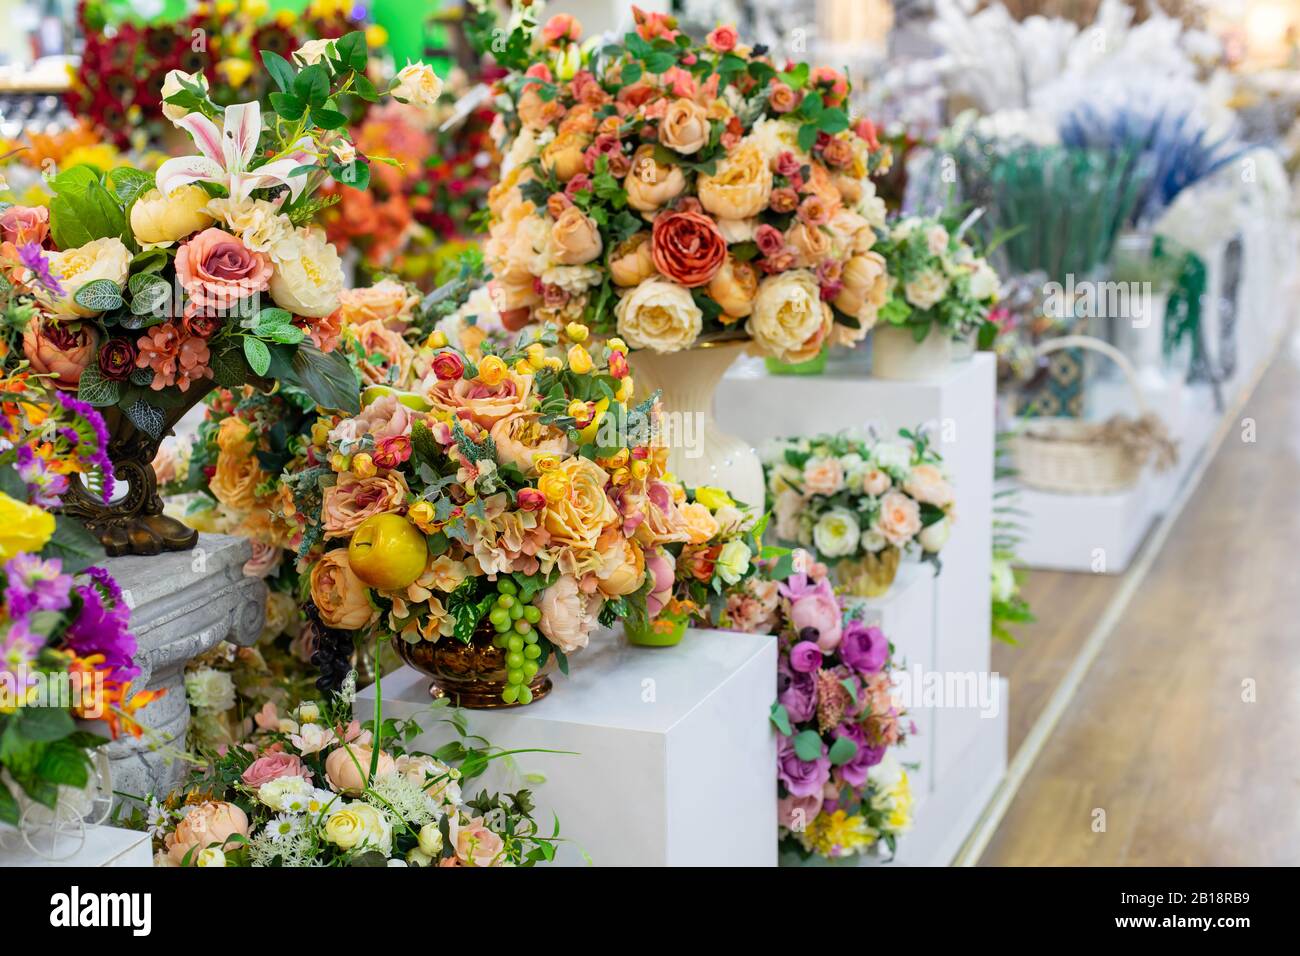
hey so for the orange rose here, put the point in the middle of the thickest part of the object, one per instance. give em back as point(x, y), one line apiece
point(389, 302)
point(651, 185)
point(521, 437)
point(236, 479)
point(741, 186)
point(205, 824)
point(685, 126)
point(376, 338)
point(700, 523)
point(866, 284)
point(734, 288)
point(351, 500)
point(339, 595)
point(563, 156)
point(623, 567)
point(811, 244)
point(536, 113)
point(60, 349)
point(631, 262)
point(486, 404)
point(584, 509)
point(575, 238)
point(687, 247)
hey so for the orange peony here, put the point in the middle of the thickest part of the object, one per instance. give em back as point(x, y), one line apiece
point(388, 302)
point(60, 349)
point(339, 595)
point(687, 247)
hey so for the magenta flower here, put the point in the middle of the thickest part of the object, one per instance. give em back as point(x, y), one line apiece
point(34, 584)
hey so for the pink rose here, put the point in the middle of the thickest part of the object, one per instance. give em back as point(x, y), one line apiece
point(568, 615)
point(875, 483)
point(795, 813)
point(822, 476)
point(23, 224)
point(660, 565)
point(213, 822)
point(273, 766)
point(475, 844)
point(265, 560)
point(927, 485)
point(817, 608)
point(900, 518)
point(348, 768)
point(722, 39)
point(217, 270)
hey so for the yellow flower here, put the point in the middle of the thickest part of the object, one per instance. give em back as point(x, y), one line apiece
point(421, 514)
point(158, 220)
point(23, 527)
point(620, 477)
point(437, 339)
point(492, 370)
point(617, 345)
point(554, 484)
point(320, 431)
point(713, 498)
point(624, 392)
point(536, 354)
point(376, 36)
point(236, 70)
point(616, 460)
point(640, 468)
point(578, 410)
point(363, 466)
point(357, 824)
point(838, 834)
point(524, 367)
point(545, 463)
point(340, 462)
point(580, 360)
point(553, 362)
point(576, 331)
point(733, 561)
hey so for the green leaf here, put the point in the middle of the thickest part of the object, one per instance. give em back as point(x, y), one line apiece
point(149, 293)
point(128, 184)
point(148, 418)
point(660, 61)
point(365, 89)
point(74, 546)
point(287, 335)
point(258, 355)
point(808, 745)
point(101, 295)
point(280, 69)
point(8, 806)
point(287, 105)
point(82, 210)
point(312, 85)
point(842, 751)
point(325, 376)
point(269, 319)
point(64, 763)
point(43, 724)
point(352, 50)
point(94, 389)
point(781, 719)
point(833, 121)
point(807, 136)
point(327, 118)
point(632, 72)
point(355, 174)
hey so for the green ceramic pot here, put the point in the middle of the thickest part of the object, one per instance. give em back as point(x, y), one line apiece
point(814, 366)
point(648, 635)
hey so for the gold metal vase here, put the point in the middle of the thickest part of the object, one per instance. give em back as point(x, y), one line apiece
point(470, 675)
point(870, 576)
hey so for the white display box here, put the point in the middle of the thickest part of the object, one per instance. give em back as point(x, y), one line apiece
point(103, 846)
point(674, 754)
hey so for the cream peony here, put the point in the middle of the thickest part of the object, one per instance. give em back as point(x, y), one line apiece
point(790, 321)
point(309, 284)
point(567, 615)
point(927, 289)
point(106, 258)
point(984, 282)
point(927, 485)
point(685, 126)
point(259, 225)
point(158, 220)
point(659, 315)
point(836, 533)
point(417, 83)
point(741, 186)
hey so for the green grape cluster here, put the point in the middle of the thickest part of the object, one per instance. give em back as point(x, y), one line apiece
point(513, 617)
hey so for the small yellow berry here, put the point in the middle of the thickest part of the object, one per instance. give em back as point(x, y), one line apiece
point(492, 370)
point(363, 466)
point(421, 514)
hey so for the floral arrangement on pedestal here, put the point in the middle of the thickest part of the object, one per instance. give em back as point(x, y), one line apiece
point(842, 791)
point(861, 504)
point(491, 517)
point(675, 193)
point(65, 645)
point(128, 69)
point(143, 287)
point(316, 788)
point(936, 280)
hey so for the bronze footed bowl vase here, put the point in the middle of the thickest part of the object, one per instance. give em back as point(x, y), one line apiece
point(470, 675)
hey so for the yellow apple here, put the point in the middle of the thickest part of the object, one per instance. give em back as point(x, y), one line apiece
point(387, 552)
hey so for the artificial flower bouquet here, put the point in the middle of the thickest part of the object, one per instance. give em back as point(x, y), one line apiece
point(674, 193)
point(860, 504)
point(842, 791)
point(507, 504)
point(936, 280)
point(316, 788)
point(65, 646)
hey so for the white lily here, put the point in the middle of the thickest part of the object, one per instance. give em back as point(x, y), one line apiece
point(227, 152)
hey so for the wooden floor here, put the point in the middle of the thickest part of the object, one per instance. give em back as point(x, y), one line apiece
point(1181, 745)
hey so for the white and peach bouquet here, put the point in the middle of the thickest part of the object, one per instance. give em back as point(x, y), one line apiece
point(936, 279)
point(147, 289)
point(675, 193)
point(314, 787)
point(861, 505)
point(513, 497)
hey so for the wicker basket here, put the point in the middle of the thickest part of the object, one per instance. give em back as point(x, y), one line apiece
point(1071, 456)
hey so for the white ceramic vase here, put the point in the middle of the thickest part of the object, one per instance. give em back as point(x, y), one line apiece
point(699, 452)
point(897, 356)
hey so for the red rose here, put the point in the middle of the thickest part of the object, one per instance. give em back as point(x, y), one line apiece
point(687, 247)
point(448, 366)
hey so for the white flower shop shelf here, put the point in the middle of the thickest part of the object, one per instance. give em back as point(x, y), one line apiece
point(93, 846)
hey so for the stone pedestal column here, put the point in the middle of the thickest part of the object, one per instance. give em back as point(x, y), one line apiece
point(182, 603)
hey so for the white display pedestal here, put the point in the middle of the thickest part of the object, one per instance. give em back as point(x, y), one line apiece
point(962, 755)
point(104, 846)
point(674, 755)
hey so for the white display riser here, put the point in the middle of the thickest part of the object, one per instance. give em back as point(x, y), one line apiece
point(673, 754)
point(959, 407)
point(104, 846)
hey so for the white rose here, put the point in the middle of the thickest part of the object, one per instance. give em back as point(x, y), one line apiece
point(659, 315)
point(790, 321)
point(892, 456)
point(259, 225)
point(873, 541)
point(172, 85)
point(984, 282)
point(1004, 581)
point(836, 533)
point(352, 825)
point(926, 290)
point(737, 230)
point(313, 51)
point(309, 284)
point(933, 538)
point(787, 509)
point(430, 840)
point(417, 83)
point(936, 240)
point(106, 258)
point(211, 856)
point(210, 689)
point(417, 857)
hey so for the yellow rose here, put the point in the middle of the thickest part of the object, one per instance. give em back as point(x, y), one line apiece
point(99, 259)
point(579, 359)
point(23, 527)
point(741, 186)
point(563, 156)
point(575, 238)
point(631, 262)
point(309, 285)
point(790, 321)
point(651, 185)
point(417, 83)
point(700, 523)
point(866, 285)
point(359, 824)
point(685, 126)
point(713, 498)
point(577, 518)
point(733, 287)
point(158, 220)
point(622, 570)
point(659, 315)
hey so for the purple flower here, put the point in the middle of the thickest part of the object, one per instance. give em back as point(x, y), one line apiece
point(802, 778)
point(102, 628)
point(864, 648)
point(854, 772)
point(33, 584)
point(799, 697)
point(33, 257)
point(93, 435)
point(806, 657)
point(45, 488)
point(18, 650)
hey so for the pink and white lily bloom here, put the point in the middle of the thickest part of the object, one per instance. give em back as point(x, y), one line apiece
point(227, 152)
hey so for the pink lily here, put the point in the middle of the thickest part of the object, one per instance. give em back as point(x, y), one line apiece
point(227, 152)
